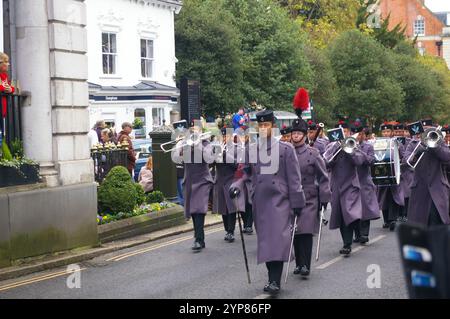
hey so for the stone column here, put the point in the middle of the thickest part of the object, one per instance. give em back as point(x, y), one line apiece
point(52, 65)
point(33, 71)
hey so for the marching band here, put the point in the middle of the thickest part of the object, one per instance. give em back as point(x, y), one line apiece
point(402, 176)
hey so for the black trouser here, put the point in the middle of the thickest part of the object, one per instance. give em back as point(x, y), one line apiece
point(405, 208)
point(434, 219)
point(199, 227)
point(229, 222)
point(347, 233)
point(275, 269)
point(303, 249)
point(393, 211)
point(248, 216)
point(362, 229)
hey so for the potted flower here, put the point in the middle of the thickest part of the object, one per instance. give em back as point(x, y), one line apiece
point(15, 169)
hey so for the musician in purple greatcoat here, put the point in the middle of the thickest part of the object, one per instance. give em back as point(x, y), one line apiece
point(197, 182)
point(346, 207)
point(391, 198)
point(370, 207)
point(276, 194)
point(429, 201)
point(316, 187)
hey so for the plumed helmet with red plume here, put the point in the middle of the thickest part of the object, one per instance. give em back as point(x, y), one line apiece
point(301, 101)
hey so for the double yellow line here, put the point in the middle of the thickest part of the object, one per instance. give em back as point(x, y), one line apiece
point(115, 258)
point(39, 278)
point(165, 244)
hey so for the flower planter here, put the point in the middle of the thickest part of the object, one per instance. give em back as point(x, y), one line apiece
point(142, 224)
point(26, 174)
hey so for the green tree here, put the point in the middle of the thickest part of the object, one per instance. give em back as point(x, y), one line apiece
point(365, 73)
point(272, 46)
point(324, 20)
point(324, 90)
point(208, 49)
point(440, 94)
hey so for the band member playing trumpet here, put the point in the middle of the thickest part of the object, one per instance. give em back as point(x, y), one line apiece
point(197, 182)
point(225, 170)
point(316, 187)
point(346, 207)
point(391, 198)
point(277, 194)
point(429, 201)
point(370, 208)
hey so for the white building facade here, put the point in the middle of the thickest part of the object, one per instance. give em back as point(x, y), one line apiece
point(131, 62)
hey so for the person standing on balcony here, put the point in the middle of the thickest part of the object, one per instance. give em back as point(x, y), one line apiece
point(124, 135)
point(5, 87)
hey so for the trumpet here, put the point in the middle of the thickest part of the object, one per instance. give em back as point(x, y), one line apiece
point(431, 139)
point(348, 145)
point(192, 140)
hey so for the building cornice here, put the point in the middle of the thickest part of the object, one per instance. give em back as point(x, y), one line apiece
point(173, 5)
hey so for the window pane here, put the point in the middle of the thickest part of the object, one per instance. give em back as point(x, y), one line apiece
point(105, 42)
point(143, 68)
point(149, 68)
point(105, 63)
point(143, 48)
point(150, 49)
point(113, 44)
point(112, 64)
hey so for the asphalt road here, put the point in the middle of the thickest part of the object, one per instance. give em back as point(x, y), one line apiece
point(169, 269)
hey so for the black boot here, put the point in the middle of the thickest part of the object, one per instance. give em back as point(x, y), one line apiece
point(392, 226)
point(345, 251)
point(304, 271)
point(266, 287)
point(230, 237)
point(196, 246)
point(274, 288)
point(385, 225)
point(364, 240)
point(297, 270)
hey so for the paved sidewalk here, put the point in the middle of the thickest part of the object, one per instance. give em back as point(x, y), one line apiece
point(31, 265)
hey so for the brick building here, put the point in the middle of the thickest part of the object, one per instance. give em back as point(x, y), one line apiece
point(431, 29)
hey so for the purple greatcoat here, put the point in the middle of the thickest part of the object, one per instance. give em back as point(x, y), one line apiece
point(429, 184)
point(320, 144)
point(316, 187)
point(370, 207)
point(197, 182)
point(274, 196)
point(346, 204)
point(225, 176)
point(397, 191)
point(407, 175)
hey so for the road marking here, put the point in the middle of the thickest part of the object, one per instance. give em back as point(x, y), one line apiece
point(335, 260)
point(158, 246)
point(263, 296)
point(38, 279)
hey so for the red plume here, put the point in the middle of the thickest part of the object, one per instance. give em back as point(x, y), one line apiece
point(301, 101)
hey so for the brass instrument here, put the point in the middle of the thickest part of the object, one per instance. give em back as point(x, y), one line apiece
point(348, 145)
point(191, 140)
point(430, 139)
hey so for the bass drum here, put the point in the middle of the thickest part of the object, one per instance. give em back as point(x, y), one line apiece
point(386, 169)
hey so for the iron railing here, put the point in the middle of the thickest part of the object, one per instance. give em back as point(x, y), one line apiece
point(106, 157)
point(11, 124)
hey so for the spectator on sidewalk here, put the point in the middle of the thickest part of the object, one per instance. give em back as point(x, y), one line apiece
point(107, 136)
point(5, 87)
point(124, 135)
point(92, 136)
point(146, 176)
point(99, 127)
point(239, 119)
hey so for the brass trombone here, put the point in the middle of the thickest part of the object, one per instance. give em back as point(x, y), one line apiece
point(431, 139)
point(191, 140)
point(348, 145)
